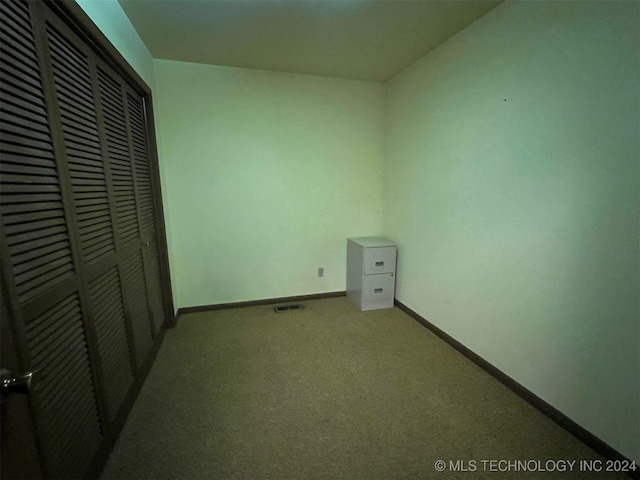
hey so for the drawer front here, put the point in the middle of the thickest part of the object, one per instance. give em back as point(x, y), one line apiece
point(377, 287)
point(376, 304)
point(379, 260)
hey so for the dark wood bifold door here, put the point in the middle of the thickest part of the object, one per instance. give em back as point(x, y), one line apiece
point(82, 287)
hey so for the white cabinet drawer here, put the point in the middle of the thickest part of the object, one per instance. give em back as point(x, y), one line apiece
point(377, 287)
point(379, 260)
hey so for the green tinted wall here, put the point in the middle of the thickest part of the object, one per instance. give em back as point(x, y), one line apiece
point(511, 184)
point(265, 175)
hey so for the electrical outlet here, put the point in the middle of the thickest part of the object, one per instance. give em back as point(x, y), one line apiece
point(320, 271)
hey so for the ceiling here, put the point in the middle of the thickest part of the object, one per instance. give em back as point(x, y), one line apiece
point(357, 39)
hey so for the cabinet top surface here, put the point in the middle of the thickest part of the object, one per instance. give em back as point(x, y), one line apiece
point(368, 242)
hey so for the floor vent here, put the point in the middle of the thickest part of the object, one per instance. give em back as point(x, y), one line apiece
point(284, 308)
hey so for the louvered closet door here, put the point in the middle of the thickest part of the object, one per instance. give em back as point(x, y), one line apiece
point(41, 259)
point(73, 71)
point(117, 198)
point(123, 195)
point(79, 250)
point(140, 152)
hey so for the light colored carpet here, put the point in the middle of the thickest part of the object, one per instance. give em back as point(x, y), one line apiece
point(328, 392)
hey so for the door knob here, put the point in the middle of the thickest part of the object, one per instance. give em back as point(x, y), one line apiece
point(12, 383)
